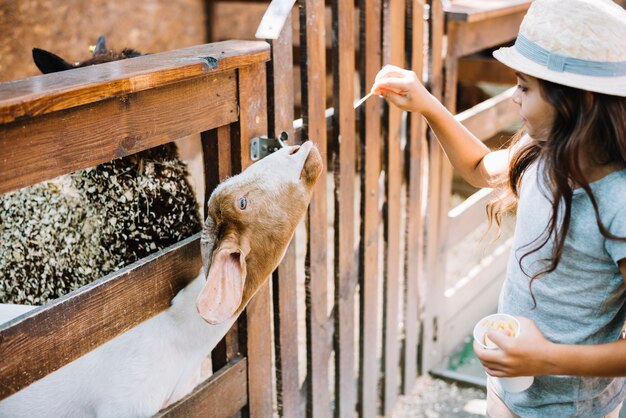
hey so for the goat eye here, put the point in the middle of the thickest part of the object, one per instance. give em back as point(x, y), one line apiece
point(243, 203)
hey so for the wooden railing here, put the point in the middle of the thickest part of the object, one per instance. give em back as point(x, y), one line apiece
point(58, 123)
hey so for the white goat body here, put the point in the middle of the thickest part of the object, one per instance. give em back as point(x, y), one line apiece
point(251, 218)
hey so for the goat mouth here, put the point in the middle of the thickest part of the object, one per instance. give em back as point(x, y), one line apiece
point(312, 166)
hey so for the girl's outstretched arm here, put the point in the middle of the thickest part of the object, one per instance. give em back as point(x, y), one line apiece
point(474, 161)
point(530, 354)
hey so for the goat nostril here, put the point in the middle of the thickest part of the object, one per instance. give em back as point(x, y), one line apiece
point(294, 150)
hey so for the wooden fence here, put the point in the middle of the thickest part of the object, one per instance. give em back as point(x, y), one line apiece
point(374, 306)
point(128, 106)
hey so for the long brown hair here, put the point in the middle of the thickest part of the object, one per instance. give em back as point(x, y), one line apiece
point(584, 121)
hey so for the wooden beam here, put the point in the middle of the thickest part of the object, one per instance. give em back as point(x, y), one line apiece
point(493, 115)
point(220, 396)
point(59, 91)
point(478, 35)
point(44, 147)
point(475, 69)
point(479, 10)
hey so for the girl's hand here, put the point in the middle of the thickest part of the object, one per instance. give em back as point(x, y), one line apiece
point(402, 88)
point(524, 355)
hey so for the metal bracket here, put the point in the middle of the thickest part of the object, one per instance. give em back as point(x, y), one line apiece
point(262, 146)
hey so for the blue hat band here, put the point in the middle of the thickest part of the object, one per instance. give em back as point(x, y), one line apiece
point(563, 63)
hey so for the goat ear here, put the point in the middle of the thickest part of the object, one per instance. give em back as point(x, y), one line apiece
point(207, 242)
point(47, 62)
point(101, 46)
point(223, 290)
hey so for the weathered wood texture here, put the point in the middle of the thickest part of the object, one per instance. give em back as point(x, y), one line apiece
point(393, 53)
point(344, 170)
point(319, 327)
point(68, 27)
point(414, 233)
point(289, 397)
point(221, 396)
point(136, 117)
point(370, 62)
point(434, 283)
point(54, 92)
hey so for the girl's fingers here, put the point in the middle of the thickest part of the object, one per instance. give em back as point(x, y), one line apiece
point(380, 90)
point(391, 85)
point(495, 373)
point(389, 71)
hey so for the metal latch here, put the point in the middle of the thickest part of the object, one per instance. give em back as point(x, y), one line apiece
point(261, 146)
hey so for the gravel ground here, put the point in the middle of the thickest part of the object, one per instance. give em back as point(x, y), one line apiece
point(433, 398)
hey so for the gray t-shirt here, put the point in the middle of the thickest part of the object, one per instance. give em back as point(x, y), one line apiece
point(581, 302)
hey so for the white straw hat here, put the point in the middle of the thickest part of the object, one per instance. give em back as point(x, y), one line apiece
point(577, 43)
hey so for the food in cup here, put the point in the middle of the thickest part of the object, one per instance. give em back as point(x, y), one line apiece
point(503, 326)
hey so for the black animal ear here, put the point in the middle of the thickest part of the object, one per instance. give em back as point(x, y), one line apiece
point(101, 46)
point(47, 62)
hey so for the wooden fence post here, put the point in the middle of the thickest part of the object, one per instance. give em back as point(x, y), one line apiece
point(319, 328)
point(370, 50)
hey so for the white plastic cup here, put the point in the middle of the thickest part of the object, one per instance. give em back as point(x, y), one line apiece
point(509, 384)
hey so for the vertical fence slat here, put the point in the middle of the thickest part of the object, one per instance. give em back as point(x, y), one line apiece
point(370, 134)
point(313, 71)
point(414, 230)
point(433, 309)
point(216, 157)
point(280, 118)
point(393, 167)
point(344, 175)
point(253, 122)
point(218, 165)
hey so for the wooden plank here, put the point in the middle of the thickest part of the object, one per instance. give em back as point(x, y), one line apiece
point(477, 10)
point(313, 72)
point(474, 296)
point(392, 217)
point(475, 68)
point(216, 148)
point(475, 36)
point(344, 150)
point(221, 396)
point(434, 285)
point(41, 148)
point(468, 288)
point(370, 136)
point(253, 122)
point(466, 217)
point(493, 115)
point(280, 119)
point(59, 91)
point(55, 334)
point(216, 159)
point(414, 259)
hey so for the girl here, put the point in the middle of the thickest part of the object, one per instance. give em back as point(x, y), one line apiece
point(567, 271)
